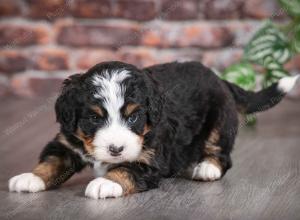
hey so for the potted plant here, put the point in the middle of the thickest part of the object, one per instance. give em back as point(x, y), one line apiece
point(272, 46)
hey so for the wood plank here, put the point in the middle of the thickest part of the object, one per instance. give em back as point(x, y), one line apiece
point(264, 182)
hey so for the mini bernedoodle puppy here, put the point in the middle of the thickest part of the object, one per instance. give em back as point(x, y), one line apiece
point(136, 126)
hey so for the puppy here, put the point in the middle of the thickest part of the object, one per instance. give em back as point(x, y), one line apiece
point(136, 126)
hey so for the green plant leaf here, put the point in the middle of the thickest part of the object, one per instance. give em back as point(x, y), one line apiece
point(250, 119)
point(296, 41)
point(269, 43)
point(272, 76)
point(241, 74)
point(271, 64)
point(292, 7)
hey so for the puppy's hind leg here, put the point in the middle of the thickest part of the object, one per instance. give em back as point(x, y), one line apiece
point(216, 158)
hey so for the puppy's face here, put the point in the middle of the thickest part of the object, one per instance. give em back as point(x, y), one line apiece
point(116, 120)
point(112, 114)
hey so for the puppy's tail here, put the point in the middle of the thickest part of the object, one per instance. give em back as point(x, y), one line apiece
point(250, 102)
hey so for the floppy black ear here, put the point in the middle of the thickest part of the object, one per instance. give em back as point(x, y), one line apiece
point(67, 104)
point(155, 100)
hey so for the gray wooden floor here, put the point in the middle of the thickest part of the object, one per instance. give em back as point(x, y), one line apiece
point(264, 182)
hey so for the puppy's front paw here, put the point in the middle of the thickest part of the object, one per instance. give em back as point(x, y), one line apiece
point(103, 188)
point(26, 182)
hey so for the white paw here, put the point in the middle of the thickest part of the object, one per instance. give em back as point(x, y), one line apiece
point(103, 188)
point(206, 171)
point(26, 182)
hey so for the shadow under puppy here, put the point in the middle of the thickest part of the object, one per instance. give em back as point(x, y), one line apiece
point(136, 126)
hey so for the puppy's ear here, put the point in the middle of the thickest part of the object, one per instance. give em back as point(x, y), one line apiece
point(155, 100)
point(67, 104)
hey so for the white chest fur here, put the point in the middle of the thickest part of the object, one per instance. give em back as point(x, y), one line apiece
point(100, 169)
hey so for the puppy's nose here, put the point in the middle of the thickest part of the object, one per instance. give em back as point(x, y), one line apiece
point(114, 150)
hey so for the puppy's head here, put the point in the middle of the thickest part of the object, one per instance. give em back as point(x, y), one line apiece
point(110, 109)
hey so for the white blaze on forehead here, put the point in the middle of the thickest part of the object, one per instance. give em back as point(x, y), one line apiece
point(116, 132)
point(110, 89)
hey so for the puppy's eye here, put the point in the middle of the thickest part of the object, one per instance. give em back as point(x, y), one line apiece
point(132, 119)
point(94, 117)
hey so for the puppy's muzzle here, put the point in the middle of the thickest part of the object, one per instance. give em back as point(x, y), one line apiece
point(114, 150)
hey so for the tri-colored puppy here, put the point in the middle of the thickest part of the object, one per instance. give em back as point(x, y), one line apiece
point(136, 126)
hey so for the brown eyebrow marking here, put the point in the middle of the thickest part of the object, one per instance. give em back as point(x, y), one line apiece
point(130, 108)
point(97, 110)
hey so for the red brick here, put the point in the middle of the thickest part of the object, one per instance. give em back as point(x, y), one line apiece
point(45, 86)
point(143, 57)
point(50, 59)
point(135, 9)
point(92, 8)
point(85, 59)
point(46, 59)
point(263, 9)
point(222, 59)
point(199, 34)
point(243, 31)
point(294, 64)
point(12, 61)
point(130, 9)
point(222, 9)
point(139, 57)
point(32, 84)
point(9, 8)
point(104, 34)
point(49, 9)
point(12, 35)
point(179, 9)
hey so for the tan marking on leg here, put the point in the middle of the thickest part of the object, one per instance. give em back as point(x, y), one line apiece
point(214, 136)
point(123, 178)
point(211, 147)
point(49, 170)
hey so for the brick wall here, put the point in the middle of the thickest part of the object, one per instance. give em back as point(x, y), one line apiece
point(43, 41)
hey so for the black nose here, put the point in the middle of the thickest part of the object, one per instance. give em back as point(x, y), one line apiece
point(114, 150)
